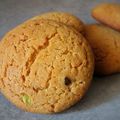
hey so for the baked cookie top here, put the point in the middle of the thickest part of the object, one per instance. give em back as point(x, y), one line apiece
point(105, 43)
point(108, 13)
point(65, 18)
point(45, 66)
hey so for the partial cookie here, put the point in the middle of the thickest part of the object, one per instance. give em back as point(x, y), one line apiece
point(109, 14)
point(45, 66)
point(106, 47)
point(65, 18)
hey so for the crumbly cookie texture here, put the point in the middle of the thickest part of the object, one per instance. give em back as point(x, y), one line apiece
point(108, 13)
point(45, 66)
point(65, 18)
point(106, 47)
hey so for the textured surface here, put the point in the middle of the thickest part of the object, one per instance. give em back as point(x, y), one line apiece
point(45, 66)
point(108, 14)
point(106, 46)
point(102, 102)
point(63, 17)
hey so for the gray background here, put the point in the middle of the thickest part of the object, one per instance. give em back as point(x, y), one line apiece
point(102, 101)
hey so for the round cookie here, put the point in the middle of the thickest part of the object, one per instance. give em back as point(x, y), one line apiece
point(108, 13)
point(45, 66)
point(105, 43)
point(65, 18)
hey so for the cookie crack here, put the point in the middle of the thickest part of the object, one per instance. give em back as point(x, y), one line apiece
point(5, 72)
point(2, 84)
point(47, 82)
point(115, 44)
point(33, 56)
point(32, 59)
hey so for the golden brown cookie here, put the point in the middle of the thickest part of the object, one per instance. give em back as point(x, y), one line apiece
point(63, 17)
point(45, 66)
point(108, 13)
point(106, 47)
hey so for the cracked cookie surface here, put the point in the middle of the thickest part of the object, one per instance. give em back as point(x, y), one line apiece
point(45, 66)
point(106, 47)
point(65, 18)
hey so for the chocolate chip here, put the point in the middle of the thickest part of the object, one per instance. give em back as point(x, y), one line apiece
point(67, 81)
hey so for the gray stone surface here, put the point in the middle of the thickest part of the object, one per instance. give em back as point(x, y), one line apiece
point(102, 101)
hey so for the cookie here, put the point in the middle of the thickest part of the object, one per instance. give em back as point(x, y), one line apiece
point(108, 13)
point(63, 17)
point(45, 66)
point(105, 43)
